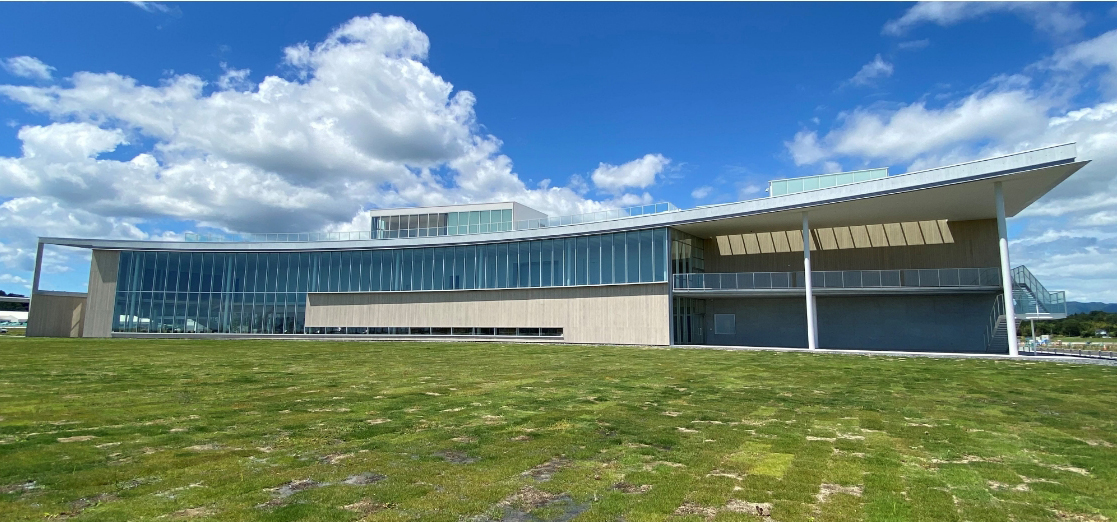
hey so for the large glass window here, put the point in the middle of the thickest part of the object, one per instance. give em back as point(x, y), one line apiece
point(266, 292)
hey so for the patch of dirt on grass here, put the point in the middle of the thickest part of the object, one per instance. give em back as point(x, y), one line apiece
point(194, 512)
point(521, 438)
point(77, 438)
point(672, 413)
point(81, 504)
point(828, 439)
point(366, 506)
point(826, 490)
point(295, 486)
point(363, 479)
point(626, 487)
point(652, 465)
point(1093, 442)
point(204, 447)
point(690, 508)
point(966, 459)
point(516, 507)
point(1071, 469)
point(686, 430)
point(1000, 486)
point(335, 458)
point(543, 472)
point(377, 421)
point(465, 440)
point(761, 509)
point(1078, 517)
point(456, 457)
point(20, 488)
point(172, 493)
point(529, 498)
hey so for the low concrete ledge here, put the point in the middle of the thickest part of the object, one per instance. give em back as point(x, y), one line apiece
point(893, 353)
point(339, 337)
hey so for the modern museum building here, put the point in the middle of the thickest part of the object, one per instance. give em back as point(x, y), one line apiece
point(855, 260)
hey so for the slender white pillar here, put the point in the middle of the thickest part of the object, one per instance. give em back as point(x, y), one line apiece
point(810, 299)
point(38, 269)
point(815, 314)
point(1007, 276)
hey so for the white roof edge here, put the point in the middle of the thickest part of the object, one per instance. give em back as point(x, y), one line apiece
point(947, 175)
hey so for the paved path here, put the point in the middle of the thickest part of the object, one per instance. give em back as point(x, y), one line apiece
point(938, 355)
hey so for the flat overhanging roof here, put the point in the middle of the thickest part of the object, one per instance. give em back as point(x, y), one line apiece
point(957, 192)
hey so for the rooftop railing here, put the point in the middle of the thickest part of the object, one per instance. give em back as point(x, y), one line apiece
point(529, 224)
point(924, 278)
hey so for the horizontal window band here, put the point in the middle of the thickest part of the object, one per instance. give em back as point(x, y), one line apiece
point(429, 330)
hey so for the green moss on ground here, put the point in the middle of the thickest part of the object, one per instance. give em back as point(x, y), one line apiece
point(262, 430)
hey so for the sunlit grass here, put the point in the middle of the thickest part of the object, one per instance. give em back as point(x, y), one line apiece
point(258, 430)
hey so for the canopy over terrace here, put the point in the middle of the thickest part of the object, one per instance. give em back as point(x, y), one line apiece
point(956, 193)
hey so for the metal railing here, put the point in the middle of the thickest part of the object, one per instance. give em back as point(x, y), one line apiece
point(593, 217)
point(996, 312)
point(1042, 349)
point(1031, 297)
point(924, 278)
point(528, 224)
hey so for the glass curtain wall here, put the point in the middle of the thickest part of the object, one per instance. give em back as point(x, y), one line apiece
point(688, 316)
point(687, 253)
point(265, 292)
point(442, 224)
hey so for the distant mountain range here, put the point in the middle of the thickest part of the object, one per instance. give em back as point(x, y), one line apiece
point(1075, 307)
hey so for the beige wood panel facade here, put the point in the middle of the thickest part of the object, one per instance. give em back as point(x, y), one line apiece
point(975, 246)
point(55, 315)
point(101, 297)
point(611, 314)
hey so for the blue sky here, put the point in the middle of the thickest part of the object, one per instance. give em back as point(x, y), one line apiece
point(148, 120)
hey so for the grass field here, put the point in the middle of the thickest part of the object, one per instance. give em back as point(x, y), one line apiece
point(260, 430)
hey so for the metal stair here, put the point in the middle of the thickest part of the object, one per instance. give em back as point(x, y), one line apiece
point(999, 339)
point(1031, 300)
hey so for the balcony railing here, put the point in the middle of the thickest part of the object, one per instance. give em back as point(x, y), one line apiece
point(529, 224)
point(922, 278)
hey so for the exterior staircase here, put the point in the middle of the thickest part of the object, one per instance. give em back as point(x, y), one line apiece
point(999, 339)
point(1031, 301)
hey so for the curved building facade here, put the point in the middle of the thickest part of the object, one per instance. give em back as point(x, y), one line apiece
point(858, 260)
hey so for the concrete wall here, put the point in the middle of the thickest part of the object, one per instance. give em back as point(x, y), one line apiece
point(975, 246)
point(102, 294)
point(920, 323)
point(612, 314)
point(56, 314)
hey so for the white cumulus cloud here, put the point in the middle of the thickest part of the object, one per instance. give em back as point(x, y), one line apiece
point(27, 67)
point(1057, 18)
point(360, 122)
point(869, 73)
point(639, 173)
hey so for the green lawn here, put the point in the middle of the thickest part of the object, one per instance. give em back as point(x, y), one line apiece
point(262, 430)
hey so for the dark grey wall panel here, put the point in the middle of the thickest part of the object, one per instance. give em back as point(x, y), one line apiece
point(918, 323)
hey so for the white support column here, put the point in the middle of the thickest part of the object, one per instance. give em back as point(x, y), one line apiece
point(38, 269)
point(810, 299)
point(1007, 276)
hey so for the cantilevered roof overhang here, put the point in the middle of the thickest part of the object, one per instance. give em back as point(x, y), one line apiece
point(957, 192)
